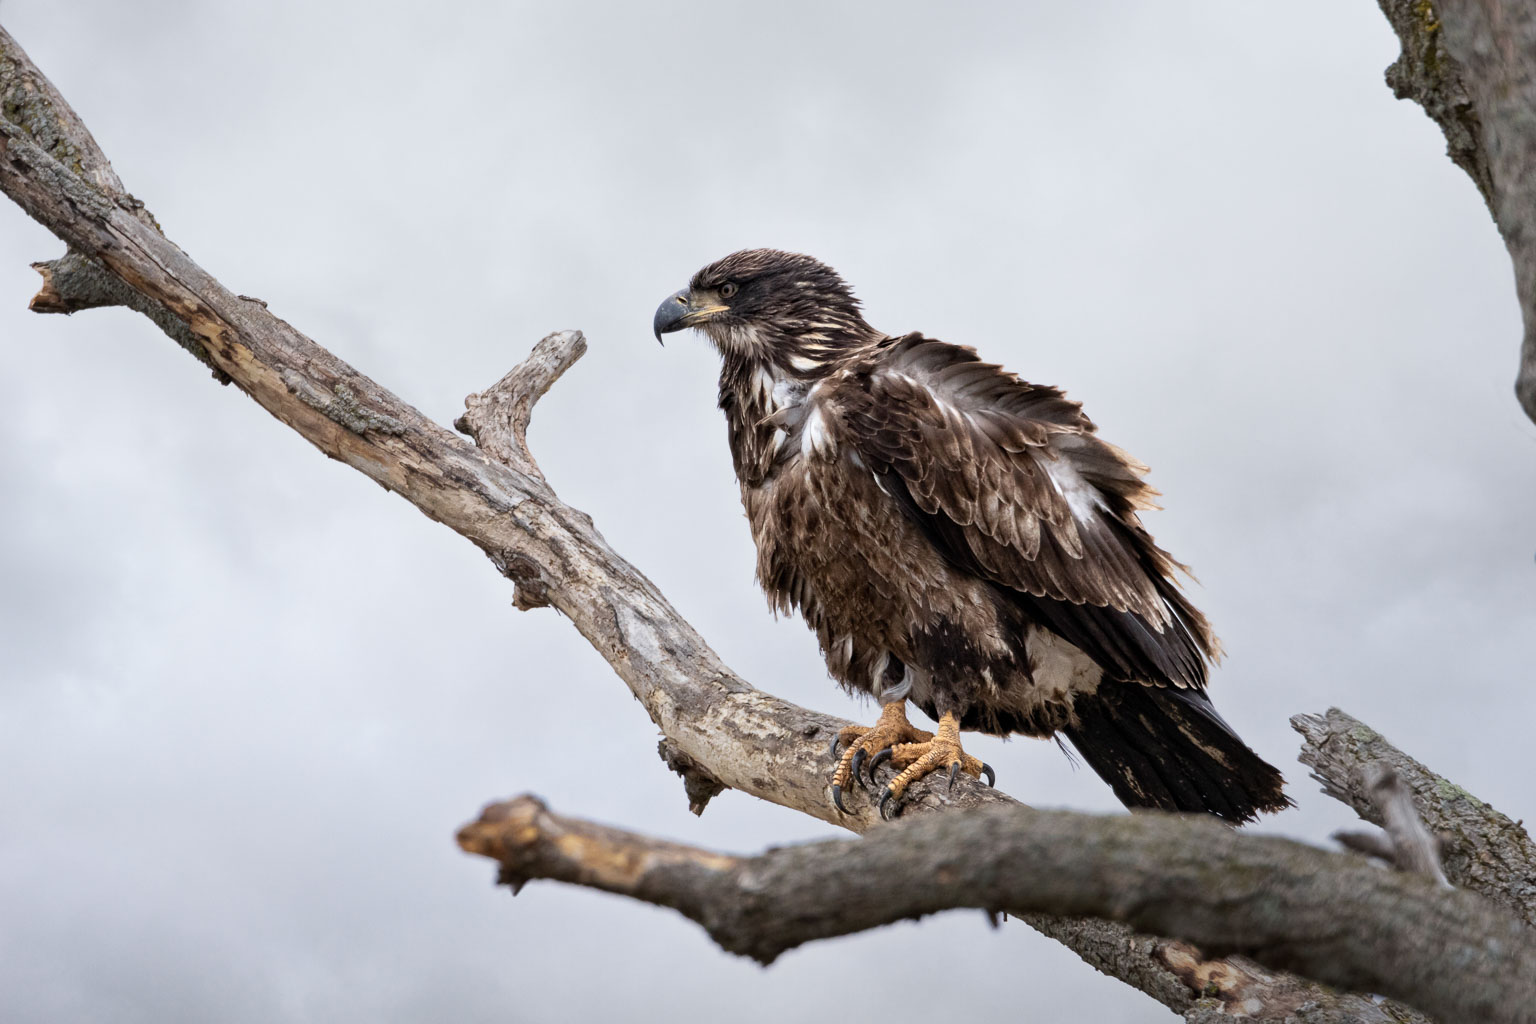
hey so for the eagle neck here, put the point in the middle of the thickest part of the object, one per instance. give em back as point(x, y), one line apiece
point(757, 397)
point(763, 385)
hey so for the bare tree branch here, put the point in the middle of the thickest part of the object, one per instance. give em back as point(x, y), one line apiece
point(1484, 851)
point(748, 740)
point(1329, 916)
point(1471, 64)
point(498, 418)
point(1406, 845)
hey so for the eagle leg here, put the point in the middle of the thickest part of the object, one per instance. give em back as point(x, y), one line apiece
point(892, 730)
point(922, 758)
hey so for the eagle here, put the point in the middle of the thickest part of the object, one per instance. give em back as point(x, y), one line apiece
point(963, 540)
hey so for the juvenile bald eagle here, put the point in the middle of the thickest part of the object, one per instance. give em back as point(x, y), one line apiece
point(961, 539)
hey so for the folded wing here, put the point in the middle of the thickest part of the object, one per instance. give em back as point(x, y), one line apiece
point(1011, 483)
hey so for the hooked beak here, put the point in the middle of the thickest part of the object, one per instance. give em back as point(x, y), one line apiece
point(677, 311)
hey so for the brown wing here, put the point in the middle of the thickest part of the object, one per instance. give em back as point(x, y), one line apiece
point(1010, 482)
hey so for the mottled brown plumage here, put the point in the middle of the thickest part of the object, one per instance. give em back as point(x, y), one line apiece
point(962, 539)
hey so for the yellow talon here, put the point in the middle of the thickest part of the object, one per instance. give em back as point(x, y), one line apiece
point(937, 753)
point(891, 731)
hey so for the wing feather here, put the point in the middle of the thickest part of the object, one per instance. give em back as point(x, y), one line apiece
point(1010, 482)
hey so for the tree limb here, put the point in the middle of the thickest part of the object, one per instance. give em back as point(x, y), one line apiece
point(1329, 916)
point(497, 418)
point(1406, 845)
point(1471, 64)
point(1484, 851)
point(749, 740)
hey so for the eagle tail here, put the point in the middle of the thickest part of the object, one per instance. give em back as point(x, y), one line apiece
point(1167, 748)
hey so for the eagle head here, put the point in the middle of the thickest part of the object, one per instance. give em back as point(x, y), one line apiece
point(768, 306)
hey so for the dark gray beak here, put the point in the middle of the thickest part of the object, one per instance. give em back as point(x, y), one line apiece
point(671, 314)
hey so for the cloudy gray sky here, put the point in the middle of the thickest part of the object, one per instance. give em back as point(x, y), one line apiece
point(246, 696)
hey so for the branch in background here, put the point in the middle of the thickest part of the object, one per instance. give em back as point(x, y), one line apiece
point(1471, 64)
point(1406, 845)
point(1211, 990)
point(1426, 73)
point(1483, 851)
point(1329, 916)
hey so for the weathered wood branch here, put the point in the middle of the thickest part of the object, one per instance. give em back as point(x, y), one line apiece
point(1482, 850)
point(1405, 844)
point(748, 740)
point(75, 282)
point(1471, 64)
point(1329, 916)
point(498, 417)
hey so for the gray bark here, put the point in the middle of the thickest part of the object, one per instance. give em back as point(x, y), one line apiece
point(1471, 64)
point(1407, 845)
point(1483, 850)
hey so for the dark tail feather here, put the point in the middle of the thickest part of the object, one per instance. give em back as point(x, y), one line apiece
point(1168, 748)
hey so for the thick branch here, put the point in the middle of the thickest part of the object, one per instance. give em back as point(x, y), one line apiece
point(1471, 64)
point(1330, 916)
point(1211, 989)
point(1484, 851)
point(31, 103)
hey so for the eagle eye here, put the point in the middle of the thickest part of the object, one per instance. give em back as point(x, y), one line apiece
point(728, 289)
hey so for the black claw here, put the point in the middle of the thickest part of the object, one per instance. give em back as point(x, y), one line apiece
point(832, 750)
point(986, 770)
point(858, 759)
point(879, 759)
point(885, 796)
point(837, 798)
point(954, 773)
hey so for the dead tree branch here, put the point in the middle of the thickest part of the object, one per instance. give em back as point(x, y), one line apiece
point(748, 740)
point(1471, 64)
point(1406, 844)
point(1483, 850)
point(498, 418)
point(1329, 916)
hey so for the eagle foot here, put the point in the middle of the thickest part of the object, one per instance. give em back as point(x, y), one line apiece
point(922, 758)
point(892, 730)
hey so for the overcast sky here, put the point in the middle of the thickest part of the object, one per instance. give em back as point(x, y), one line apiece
point(246, 696)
